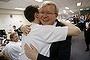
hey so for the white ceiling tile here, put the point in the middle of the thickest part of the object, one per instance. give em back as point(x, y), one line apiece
point(61, 3)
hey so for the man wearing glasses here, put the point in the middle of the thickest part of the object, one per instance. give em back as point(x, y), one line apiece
point(59, 50)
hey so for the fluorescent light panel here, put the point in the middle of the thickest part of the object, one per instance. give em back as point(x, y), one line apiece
point(64, 11)
point(81, 9)
point(87, 8)
point(79, 4)
point(66, 7)
point(20, 8)
point(39, 0)
point(71, 11)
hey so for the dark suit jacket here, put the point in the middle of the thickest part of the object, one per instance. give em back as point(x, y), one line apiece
point(88, 36)
point(58, 50)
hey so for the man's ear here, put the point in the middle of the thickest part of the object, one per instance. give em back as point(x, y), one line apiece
point(56, 15)
point(36, 15)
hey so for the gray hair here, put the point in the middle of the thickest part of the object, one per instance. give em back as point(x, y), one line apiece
point(50, 3)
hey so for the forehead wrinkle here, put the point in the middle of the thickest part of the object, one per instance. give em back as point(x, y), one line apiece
point(45, 8)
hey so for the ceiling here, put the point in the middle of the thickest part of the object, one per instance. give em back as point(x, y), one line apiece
point(12, 4)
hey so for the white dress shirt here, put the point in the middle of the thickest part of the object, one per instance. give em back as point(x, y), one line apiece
point(13, 50)
point(43, 36)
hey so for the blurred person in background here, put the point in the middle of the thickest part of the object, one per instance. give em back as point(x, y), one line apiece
point(13, 48)
point(18, 31)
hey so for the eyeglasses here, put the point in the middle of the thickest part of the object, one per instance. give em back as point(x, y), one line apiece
point(47, 13)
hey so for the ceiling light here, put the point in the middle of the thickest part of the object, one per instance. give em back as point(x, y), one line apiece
point(64, 11)
point(81, 9)
point(39, 0)
point(66, 8)
point(71, 11)
point(78, 4)
point(87, 8)
point(20, 8)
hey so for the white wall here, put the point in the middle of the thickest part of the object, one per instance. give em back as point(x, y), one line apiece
point(8, 18)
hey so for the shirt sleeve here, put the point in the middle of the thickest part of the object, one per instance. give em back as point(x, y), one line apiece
point(49, 34)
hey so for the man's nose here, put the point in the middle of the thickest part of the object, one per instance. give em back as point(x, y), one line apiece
point(45, 15)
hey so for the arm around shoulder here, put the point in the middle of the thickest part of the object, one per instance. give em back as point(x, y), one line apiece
point(72, 29)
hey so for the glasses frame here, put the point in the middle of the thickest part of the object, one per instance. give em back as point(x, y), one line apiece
point(47, 13)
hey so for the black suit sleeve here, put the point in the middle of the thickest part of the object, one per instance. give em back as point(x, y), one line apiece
point(42, 57)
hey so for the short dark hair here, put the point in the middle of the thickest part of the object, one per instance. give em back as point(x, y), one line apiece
point(29, 12)
point(14, 26)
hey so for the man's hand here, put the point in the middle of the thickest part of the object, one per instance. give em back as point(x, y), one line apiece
point(25, 29)
point(31, 52)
